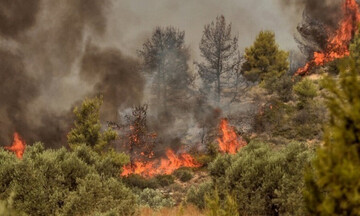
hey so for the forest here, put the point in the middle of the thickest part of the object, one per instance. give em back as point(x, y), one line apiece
point(219, 128)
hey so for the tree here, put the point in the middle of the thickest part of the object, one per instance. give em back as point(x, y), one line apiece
point(88, 128)
point(264, 61)
point(140, 141)
point(166, 57)
point(332, 185)
point(220, 51)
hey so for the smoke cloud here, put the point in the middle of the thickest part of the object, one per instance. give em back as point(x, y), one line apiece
point(52, 56)
point(115, 76)
point(44, 55)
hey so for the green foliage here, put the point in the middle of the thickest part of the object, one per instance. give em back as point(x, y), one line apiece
point(88, 128)
point(59, 182)
point(7, 210)
point(306, 91)
point(214, 207)
point(183, 174)
point(137, 181)
point(263, 180)
point(264, 61)
point(196, 195)
point(165, 180)
point(332, 185)
point(154, 199)
point(96, 194)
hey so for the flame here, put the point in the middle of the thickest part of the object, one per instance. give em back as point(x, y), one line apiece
point(229, 143)
point(18, 146)
point(161, 166)
point(338, 45)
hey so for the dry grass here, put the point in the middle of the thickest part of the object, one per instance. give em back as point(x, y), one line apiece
point(176, 211)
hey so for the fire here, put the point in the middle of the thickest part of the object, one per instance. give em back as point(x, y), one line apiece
point(161, 166)
point(18, 146)
point(230, 142)
point(338, 45)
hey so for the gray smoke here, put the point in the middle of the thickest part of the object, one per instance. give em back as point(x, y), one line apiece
point(42, 48)
point(327, 12)
point(115, 76)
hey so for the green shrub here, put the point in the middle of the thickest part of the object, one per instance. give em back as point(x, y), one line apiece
point(59, 182)
point(183, 174)
point(165, 180)
point(96, 194)
point(264, 180)
point(216, 207)
point(154, 199)
point(135, 180)
point(196, 194)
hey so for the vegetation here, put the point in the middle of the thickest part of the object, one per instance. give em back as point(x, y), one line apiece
point(284, 169)
point(87, 128)
point(332, 184)
point(221, 57)
point(59, 182)
point(264, 61)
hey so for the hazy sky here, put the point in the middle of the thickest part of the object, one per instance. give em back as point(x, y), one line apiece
point(130, 22)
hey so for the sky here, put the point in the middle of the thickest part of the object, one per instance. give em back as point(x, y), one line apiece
point(130, 22)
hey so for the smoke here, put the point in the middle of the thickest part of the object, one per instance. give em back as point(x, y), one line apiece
point(53, 56)
point(327, 12)
point(45, 66)
point(17, 16)
point(115, 76)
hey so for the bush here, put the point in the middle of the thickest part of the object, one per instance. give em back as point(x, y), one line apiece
point(154, 199)
point(183, 174)
point(57, 182)
point(165, 180)
point(263, 180)
point(135, 180)
point(196, 195)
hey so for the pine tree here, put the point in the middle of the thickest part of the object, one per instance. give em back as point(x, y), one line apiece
point(220, 51)
point(87, 128)
point(333, 183)
point(166, 57)
point(264, 61)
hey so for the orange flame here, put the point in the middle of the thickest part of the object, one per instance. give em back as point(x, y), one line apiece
point(18, 146)
point(161, 166)
point(338, 45)
point(229, 143)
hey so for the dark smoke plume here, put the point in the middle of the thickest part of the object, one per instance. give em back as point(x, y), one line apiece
point(17, 16)
point(115, 76)
point(42, 43)
point(320, 19)
point(328, 12)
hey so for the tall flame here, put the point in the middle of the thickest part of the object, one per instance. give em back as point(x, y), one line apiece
point(18, 146)
point(161, 166)
point(338, 45)
point(230, 142)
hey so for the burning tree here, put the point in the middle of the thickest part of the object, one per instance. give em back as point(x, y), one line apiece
point(332, 45)
point(140, 141)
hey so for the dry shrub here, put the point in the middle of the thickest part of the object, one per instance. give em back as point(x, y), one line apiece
point(187, 210)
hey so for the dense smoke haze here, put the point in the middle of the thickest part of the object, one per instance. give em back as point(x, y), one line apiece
point(53, 54)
